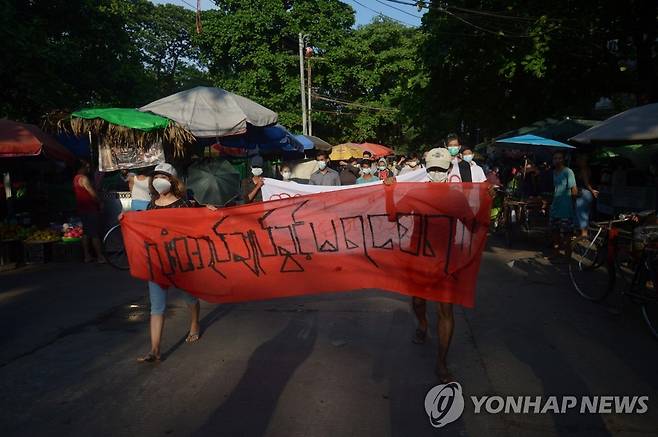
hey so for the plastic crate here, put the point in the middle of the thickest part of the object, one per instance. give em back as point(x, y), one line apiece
point(38, 253)
point(68, 252)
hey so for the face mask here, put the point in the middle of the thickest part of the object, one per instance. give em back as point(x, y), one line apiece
point(285, 175)
point(162, 186)
point(454, 150)
point(322, 165)
point(468, 158)
point(382, 167)
point(365, 170)
point(256, 171)
point(437, 176)
point(413, 163)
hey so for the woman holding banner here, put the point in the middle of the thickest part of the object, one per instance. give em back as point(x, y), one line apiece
point(167, 191)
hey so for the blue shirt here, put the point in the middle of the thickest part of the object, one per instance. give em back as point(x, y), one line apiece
point(563, 182)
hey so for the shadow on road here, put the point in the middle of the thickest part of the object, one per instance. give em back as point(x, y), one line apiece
point(247, 411)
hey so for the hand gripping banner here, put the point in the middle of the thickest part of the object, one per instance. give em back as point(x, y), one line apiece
point(418, 239)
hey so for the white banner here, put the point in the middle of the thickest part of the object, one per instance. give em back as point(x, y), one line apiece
point(275, 189)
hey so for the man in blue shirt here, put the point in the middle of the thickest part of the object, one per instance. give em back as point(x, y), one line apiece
point(562, 208)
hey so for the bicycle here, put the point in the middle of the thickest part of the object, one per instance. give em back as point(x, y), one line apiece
point(631, 255)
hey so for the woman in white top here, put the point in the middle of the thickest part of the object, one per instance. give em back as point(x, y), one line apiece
point(139, 191)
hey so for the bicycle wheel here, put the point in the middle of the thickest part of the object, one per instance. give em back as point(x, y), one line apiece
point(589, 280)
point(114, 250)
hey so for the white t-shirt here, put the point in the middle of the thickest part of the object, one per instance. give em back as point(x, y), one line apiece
point(477, 173)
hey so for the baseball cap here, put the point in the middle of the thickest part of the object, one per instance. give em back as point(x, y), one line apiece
point(165, 168)
point(438, 157)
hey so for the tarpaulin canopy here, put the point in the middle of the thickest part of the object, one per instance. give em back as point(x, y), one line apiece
point(212, 112)
point(305, 141)
point(318, 143)
point(126, 117)
point(531, 141)
point(377, 150)
point(635, 126)
point(21, 139)
point(265, 139)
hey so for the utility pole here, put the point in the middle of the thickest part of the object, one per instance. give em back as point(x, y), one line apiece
point(301, 83)
point(310, 124)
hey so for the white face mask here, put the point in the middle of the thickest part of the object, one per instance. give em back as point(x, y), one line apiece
point(413, 163)
point(438, 176)
point(285, 175)
point(256, 171)
point(366, 170)
point(161, 185)
point(468, 158)
point(322, 165)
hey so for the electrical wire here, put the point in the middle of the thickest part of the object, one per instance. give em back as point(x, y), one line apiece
point(353, 104)
point(398, 9)
point(383, 14)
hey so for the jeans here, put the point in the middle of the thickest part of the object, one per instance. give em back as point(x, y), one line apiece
point(583, 204)
point(158, 298)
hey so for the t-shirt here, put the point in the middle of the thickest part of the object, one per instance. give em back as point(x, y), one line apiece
point(563, 182)
point(329, 178)
point(180, 203)
point(248, 185)
point(362, 180)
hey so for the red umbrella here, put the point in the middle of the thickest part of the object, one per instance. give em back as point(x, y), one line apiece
point(377, 150)
point(21, 139)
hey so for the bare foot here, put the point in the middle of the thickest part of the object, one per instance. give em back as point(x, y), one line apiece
point(444, 375)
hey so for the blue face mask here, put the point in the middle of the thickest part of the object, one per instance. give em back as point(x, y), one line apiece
point(468, 158)
point(454, 150)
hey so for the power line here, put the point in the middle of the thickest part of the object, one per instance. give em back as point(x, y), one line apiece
point(356, 105)
point(382, 14)
point(398, 9)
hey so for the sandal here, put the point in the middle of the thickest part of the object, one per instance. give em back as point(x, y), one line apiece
point(191, 338)
point(420, 336)
point(149, 358)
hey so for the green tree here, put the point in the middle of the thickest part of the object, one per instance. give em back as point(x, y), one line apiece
point(377, 69)
point(251, 47)
point(533, 59)
point(64, 54)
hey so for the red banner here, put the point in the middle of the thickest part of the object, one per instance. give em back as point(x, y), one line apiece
point(419, 239)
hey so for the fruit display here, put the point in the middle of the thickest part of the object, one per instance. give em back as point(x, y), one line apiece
point(9, 231)
point(43, 235)
point(72, 233)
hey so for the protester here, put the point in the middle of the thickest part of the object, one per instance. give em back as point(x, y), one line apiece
point(383, 172)
point(454, 147)
point(251, 186)
point(562, 210)
point(466, 169)
point(438, 166)
point(411, 164)
point(367, 155)
point(348, 173)
point(140, 196)
point(167, 191)
point(586, 193)
point(88, 208)
point(324, 175)
point(286, 172)
point(366, 173)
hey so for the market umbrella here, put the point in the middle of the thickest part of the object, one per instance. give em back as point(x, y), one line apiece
point(530, 142)
point(318, 143)
point(377, 150)
point(22, 139)
point(635, 126)
point(345, 151)
point(213, 181)
point(305, 141)
point(552, 128)
point(212, 112)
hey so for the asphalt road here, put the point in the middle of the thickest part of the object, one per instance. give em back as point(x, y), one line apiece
point(325, 365)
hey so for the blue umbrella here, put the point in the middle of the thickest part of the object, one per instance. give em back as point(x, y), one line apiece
point(532, 141)
point(306, 142)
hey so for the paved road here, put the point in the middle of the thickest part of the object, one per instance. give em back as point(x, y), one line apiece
point(327, 365)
